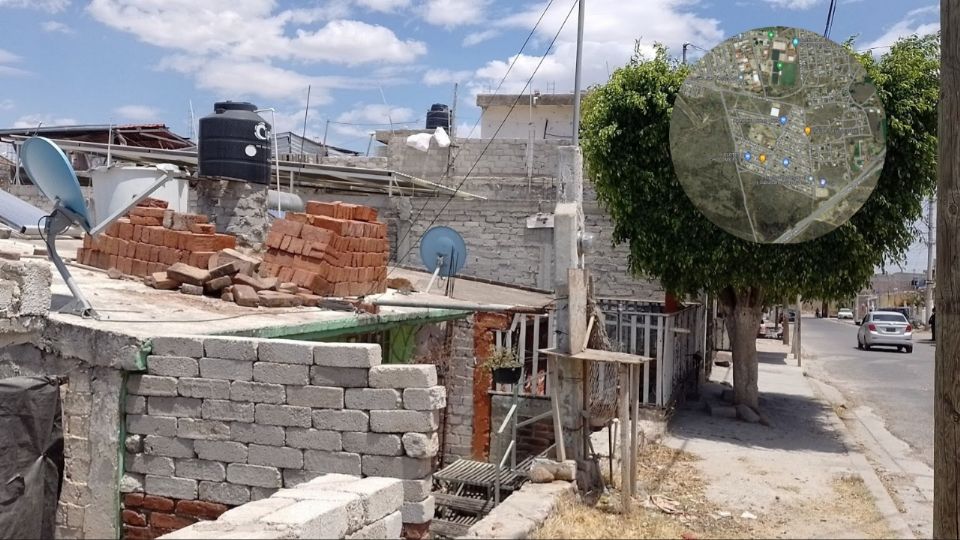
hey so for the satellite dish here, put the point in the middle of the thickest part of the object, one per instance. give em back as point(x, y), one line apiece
point(443, 252)
point(48, 168)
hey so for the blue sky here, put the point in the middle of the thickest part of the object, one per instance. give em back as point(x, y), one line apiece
point(368, 62)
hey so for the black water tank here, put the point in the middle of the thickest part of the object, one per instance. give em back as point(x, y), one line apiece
point(438, 116)
point(234, 142)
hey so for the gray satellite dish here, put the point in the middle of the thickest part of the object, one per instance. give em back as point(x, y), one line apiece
point(48, 168)
point(443, 252)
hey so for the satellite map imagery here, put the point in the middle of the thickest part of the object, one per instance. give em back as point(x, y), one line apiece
point(778, 135)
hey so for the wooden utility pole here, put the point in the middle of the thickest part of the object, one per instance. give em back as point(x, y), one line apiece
point(946, 459)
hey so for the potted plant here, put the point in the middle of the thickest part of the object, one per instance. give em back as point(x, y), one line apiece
point(504, 365)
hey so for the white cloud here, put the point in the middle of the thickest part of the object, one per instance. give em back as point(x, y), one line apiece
point(793, 4)
point(7, 57)
point(384, 5)
point(33, 120)
point(476, 38)
point(453, 13)
point(52, 6)
point(56, 26)
point(436, 77)
point(920, 21)
point(355, 42)
point(363, 119)
point(137, 113)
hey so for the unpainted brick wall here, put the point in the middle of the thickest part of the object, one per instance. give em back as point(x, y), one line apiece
point(458, 435)
point(232, 420)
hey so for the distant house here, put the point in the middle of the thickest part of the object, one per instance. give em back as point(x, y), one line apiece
point(546, 116)
point(139, 135)
point(289, 143)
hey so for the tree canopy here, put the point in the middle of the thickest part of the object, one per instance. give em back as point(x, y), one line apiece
point(625, 136)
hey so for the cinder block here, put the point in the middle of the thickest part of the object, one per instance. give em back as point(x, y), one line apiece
point(191, 346)
point(425, 399)
point(381, 444)
point(321, 494)
point(257, 392)
point(152, 425)
point(295, 477)
point(254, 475)
point(314, 439)
point(172, 366)
point(173, 406)
point(201, 469)
point(256, 433)
point(131, 483)
point(144, 464)
point(227, 451)
point(406, 468)
point(418, 512)
point(231, 370)
point(313, 519)
point(283, 415)
point(380, 496)
point(224, 493)
point(332, 462)
point(403, 376)
point(372, 398)
point(152, 385)
point(286, 351)
point(347, 355)
point(135, 405)
point(387, 527)
point(254, 510)
point(167, 446)
point(259, 493)
point(341, 420)
point(204, 388)
point(404, 421)
point(269, 372)
point(417, 490)
point(170, 486)
point(231, 348)
point(321, 397)
point(210, 430)
point(341, 377)
point(216, 409)
point(275, 456)
point(421, 445)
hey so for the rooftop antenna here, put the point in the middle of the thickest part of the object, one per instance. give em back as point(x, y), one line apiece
point(384, 99)
point(193, 122)
point(303, 138)
point(443, 253)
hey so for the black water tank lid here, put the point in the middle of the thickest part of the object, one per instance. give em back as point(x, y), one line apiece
point(438, 107)
point(221, 106)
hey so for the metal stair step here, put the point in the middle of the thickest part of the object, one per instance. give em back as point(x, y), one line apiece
point(449, 529)
point(459, 503)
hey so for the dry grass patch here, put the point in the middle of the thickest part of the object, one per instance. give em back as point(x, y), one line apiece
point(670, 504)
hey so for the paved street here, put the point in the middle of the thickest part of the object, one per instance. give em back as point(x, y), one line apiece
point(897, 386)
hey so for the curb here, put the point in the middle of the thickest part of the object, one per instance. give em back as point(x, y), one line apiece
point(885, 503)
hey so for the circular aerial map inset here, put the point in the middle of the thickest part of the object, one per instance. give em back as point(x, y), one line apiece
point(778, 135)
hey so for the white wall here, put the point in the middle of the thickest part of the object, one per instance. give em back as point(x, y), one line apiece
point(558, 120)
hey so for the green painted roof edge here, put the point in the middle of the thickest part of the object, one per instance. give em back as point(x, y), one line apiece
point(361, 323)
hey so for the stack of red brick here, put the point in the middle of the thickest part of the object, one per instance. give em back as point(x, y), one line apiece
point(146, 516)
point(334, 249)
point(152, 238)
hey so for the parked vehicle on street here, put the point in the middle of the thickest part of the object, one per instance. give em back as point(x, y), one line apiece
point(885, 328)
point(845, 313)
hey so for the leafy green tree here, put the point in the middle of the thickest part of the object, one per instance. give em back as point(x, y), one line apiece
point(625, 139)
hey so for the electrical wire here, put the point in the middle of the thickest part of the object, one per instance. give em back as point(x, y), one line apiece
point(490, 141)
point(831, 12)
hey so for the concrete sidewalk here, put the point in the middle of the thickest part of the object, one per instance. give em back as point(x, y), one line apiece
point(801, 476)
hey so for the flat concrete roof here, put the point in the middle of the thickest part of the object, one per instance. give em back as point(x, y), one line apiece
point(507, 100)
point(467, 290)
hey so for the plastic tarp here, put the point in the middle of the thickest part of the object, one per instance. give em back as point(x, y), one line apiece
point(31, 456)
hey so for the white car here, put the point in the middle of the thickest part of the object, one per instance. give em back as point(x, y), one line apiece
point(886, 328)
point(845, 314)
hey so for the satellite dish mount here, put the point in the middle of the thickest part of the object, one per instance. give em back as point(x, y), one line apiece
point(444, 253)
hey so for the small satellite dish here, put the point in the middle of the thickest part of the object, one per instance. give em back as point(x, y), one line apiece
point(443, 252)
point(48, 168)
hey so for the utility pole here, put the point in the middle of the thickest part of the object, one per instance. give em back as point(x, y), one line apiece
point(576, 77)
point(928, 300)
point(946, 407)
point(685, 46)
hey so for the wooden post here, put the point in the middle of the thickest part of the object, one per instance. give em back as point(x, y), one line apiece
point(625, 453)
point(634, 425)
point(946, 459)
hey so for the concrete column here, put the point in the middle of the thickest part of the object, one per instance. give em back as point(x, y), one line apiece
point(405, 237)
point(237, 208)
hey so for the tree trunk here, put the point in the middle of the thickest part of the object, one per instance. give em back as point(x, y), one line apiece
point(946, 458)
point(743, 309)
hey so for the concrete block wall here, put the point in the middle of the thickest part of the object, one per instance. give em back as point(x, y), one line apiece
point(233, 420)
point(329, 506)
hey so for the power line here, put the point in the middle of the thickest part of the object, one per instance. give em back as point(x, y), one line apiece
point(490, 141)
point(831, 12)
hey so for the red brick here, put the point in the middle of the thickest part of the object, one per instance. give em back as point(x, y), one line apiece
point(181, 221)
point(156, 267)
point(287, 227)
point(137, 232)
point(112, 262)
point(284, 258)
point(138, 533)
point(303, 277)
point(332, 224)
point(200, 259)
point(309, 300)
point(297, 216)
point(208, 242)
point(316, 234)
point(160, 504)
point(146, 221)
point(341, 289)
point(201, 509)
point(133, 500)
point(125, 265)
point(170, 521)
point(319, 208)
point(244, 295)
point(279, 299)
point(296, 245)
point(158, 236)
point(126, 230)
point(274, 239)
point(321, 286)
point(286, 273)
point(155, 203)
point(137, 519)
point(285, 243)
point(203, 228)
point(112, 229)
point(148, 212)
